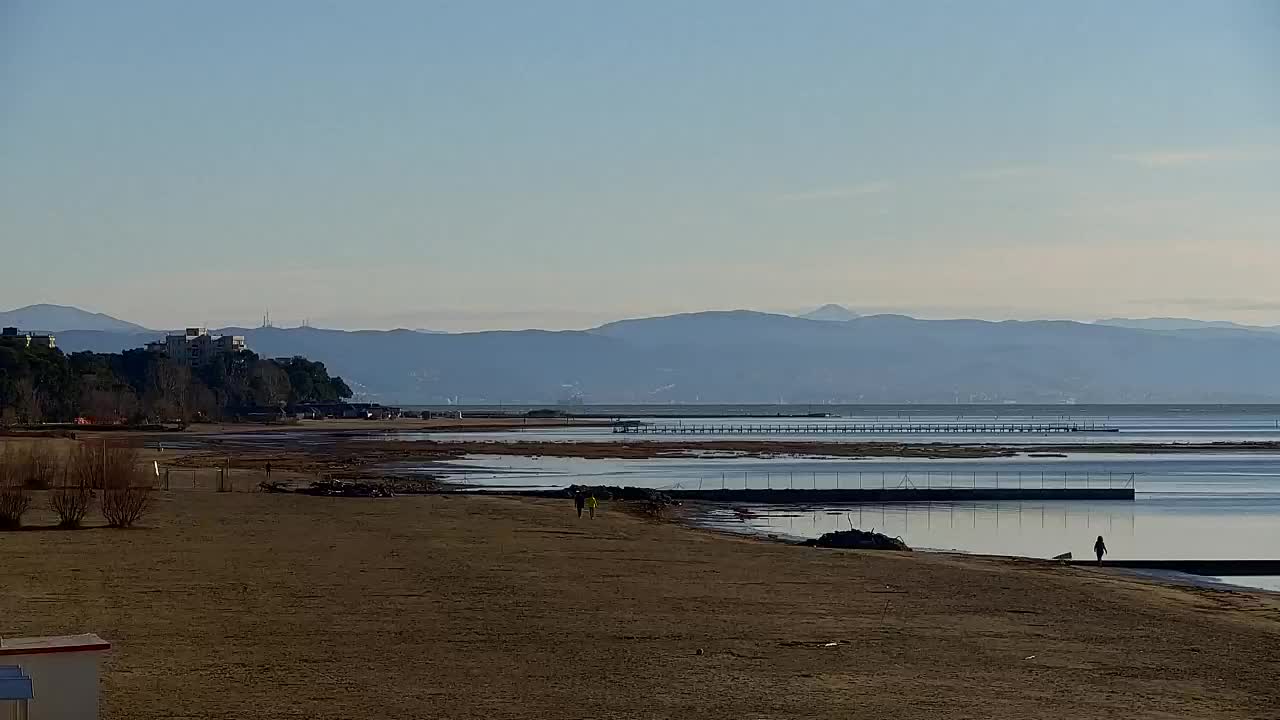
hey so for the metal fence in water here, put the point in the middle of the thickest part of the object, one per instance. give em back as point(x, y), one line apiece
point(908, 480)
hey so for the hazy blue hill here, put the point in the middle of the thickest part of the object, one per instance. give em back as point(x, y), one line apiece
point(728, 327)
point(1180, 324)
point(409, 366)
point(102, 341)
point(60, 318)
point(742, 356)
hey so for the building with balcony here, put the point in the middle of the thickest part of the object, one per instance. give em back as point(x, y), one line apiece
point(196, 347)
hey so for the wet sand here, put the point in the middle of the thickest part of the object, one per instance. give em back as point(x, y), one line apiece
point(282, 606)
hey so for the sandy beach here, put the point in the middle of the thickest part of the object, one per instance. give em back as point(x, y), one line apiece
point(282, 606)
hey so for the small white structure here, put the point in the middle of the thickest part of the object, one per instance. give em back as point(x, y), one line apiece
point(63, 672)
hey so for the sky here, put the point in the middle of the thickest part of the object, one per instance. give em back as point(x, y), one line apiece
point(473, 164)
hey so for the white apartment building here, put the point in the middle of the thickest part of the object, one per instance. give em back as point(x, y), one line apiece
point(197, 347)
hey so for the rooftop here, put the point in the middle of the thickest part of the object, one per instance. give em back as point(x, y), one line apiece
point(53, 644)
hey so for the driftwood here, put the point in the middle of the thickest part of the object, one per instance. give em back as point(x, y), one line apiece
point(858, 540)
point(613, 492)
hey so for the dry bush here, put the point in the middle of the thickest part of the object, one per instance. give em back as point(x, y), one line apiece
point(71, 503)
point(123, 505)
point(40, 467)
point(126, 487)
point(14, 497)
point(73, 496)
point(14, 502)
point(98, 466)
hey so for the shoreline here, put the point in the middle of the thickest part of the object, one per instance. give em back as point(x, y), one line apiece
point(697, 517)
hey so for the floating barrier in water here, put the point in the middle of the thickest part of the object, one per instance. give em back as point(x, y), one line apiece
point(636, 428)
point(820, 496)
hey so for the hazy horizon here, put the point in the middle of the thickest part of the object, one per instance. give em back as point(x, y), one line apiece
point(560, 165)
point(462, 322)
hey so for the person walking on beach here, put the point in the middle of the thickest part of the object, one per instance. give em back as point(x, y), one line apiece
point(579, 501)
point(591, 505)
point(1100, 549)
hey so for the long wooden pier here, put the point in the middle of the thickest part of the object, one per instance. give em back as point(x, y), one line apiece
point(1033, 428)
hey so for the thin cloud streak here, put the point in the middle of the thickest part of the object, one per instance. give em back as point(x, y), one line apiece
point(876, 187)
point(1171, 158)
point(1002, 173)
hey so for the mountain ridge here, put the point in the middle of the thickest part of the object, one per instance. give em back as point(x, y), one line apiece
point(746, 356)
point(1173, 323)
point(45, 317)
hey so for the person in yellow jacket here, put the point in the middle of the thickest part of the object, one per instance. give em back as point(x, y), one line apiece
point(591, 504)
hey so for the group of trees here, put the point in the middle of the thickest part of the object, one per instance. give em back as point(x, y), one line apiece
point(46, 385)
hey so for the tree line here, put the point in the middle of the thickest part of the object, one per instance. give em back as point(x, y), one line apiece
point(45, 385)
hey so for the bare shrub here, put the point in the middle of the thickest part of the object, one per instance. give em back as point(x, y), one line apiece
point(98, 466)
point(40, 467)
point(14, 497)
point(123, 505)
point(71, 503)
point(14, 502)
point(73, 495)
point(126, 487)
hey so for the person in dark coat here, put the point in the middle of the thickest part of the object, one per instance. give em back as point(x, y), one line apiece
point(579, 501)
point(1099, 547)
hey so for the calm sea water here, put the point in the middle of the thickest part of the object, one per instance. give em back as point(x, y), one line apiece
point(1170, 412)
point(1136, 423)
point(1211, 505)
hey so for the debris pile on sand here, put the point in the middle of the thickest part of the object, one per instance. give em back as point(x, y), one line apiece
point(613, 492)
point(346, 488)
point(647, 501)
point(332, 488)
point(858, 540)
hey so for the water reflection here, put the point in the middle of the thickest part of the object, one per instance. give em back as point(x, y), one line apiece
point(1154, 527)
point(1211, 475)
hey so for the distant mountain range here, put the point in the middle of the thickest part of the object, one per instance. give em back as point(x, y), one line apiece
point(753, 357)
point(57, 318)
point(1182, 324)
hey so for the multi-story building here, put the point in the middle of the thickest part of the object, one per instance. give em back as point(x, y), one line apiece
point(14, 336)
point(196, 346)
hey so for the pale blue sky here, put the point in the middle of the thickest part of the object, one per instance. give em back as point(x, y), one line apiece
point(503, 164)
